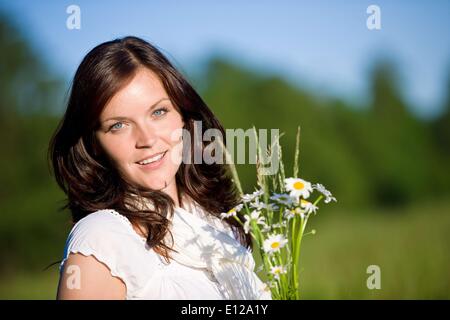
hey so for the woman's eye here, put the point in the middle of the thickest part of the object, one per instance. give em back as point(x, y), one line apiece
point(116, 126)
point(160, 112)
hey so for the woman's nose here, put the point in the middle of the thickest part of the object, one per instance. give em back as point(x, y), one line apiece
point(145, 137)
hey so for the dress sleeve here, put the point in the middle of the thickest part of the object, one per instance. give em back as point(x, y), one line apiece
point(112, 242)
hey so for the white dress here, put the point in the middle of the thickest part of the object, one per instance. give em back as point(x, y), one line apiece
point(111, 239)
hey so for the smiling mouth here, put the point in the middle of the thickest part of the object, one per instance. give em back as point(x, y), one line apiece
point(153, 159)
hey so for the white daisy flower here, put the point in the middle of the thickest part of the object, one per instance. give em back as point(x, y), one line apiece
point(279, 225)
point(283, 198)
point(291, 213)
point(254, 216)
point(298, 188)
point(328, 196)
point(232, 212)
point(266, 228)
point(308, 206)
point(252, 196)
point(259, 269)
point(276, 271)
point(274, 243)
point(261, 205)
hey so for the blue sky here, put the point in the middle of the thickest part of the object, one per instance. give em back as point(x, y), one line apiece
point(323, 45)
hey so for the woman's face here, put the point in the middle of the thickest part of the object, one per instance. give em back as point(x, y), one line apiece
point(140, 124)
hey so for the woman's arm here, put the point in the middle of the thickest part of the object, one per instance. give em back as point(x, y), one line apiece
point(85, 278)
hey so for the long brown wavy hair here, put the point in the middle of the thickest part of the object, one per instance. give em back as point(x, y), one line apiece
point(87, 176)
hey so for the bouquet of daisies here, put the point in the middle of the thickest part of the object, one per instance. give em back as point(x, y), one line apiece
point(276, 216)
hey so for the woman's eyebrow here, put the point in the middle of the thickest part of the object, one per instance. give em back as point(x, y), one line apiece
point(149, 109)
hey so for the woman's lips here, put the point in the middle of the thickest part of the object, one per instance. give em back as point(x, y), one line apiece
point(154, 164)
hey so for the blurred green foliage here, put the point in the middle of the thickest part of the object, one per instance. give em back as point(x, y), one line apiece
point(374, 155)
point(377, 158)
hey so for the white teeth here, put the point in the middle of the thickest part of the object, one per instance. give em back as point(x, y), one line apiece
point(153, 159)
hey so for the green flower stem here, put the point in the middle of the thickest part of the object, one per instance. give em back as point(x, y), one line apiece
point(297, 236)
point(283, 280)
point(280, 285)
point(298, 242)
point(260, 238)
point(297, 254)
point(294, 251)
point(318, 199)
point(281, 215)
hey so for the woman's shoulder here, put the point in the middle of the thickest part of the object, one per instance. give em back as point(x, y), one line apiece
point(103, 228)
point(99, 217)
point(107, 220)
point(110, 238)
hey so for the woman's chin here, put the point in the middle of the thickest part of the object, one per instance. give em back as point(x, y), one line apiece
point(161, 185)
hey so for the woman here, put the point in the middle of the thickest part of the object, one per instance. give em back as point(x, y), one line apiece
point(146, 221)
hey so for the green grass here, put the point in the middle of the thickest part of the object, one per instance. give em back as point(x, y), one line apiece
point(39, 285)
point(411, 246)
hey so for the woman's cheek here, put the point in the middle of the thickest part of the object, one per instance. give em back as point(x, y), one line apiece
point(119, 150)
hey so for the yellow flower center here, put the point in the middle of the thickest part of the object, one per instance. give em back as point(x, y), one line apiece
point(304, 202)
point(298, 185)
point(275, 245)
